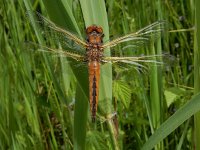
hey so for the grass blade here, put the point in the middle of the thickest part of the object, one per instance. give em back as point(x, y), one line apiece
point(173, 122)
point(197, 70)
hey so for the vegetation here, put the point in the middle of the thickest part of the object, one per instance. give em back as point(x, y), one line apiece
point(44, 98)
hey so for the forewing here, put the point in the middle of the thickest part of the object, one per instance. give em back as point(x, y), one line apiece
point(51, 30)
point(139, 37)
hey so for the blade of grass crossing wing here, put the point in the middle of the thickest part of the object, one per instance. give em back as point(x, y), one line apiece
point(156, 81)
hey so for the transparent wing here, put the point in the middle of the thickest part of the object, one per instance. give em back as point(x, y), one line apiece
point(55, 51)
point(50, 29)
point(140, 36)
point(132, 60)
point(141, 61)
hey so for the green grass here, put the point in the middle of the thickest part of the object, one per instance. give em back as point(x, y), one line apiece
point(44, 99)
point(196, 71)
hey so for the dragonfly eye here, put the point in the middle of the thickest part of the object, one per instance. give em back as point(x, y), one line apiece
point(93, 28)
point(89, 30)
point(99, 29)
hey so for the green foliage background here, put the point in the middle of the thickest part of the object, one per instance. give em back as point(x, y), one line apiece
point(44, 99)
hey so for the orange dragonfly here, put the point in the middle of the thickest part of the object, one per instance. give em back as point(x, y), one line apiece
point(94, 49)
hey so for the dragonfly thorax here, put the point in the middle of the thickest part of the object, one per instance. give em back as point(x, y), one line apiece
point(94, 54)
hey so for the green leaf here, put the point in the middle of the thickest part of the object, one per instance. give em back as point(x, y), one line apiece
point(122, 92)
point(172, 94)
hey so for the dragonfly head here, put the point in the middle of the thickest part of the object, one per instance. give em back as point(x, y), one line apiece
point(94, 34)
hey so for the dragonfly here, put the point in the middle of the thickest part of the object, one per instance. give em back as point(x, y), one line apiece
point(94, 48)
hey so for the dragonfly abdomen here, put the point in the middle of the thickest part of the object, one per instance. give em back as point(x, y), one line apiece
point(94, 76)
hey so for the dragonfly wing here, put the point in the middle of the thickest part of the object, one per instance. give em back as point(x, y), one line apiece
point(125, 64)
point(60, 52)
point(133, 60)
point(140, 36)
point(164, 59)
point(50, 29)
